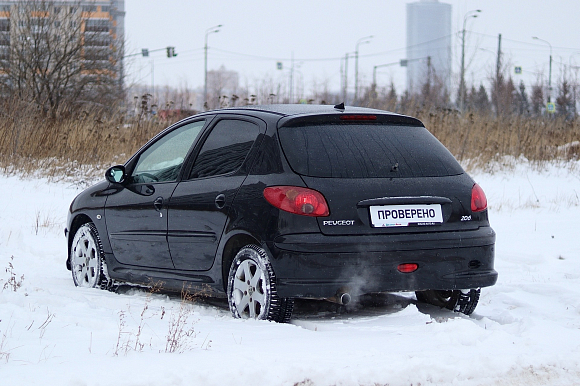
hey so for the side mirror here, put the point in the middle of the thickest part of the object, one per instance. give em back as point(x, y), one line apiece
point(116, 174)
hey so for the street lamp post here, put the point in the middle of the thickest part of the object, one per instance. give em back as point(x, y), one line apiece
point(345, 81)
point(345, 85)
point(468, 15)
point(374, 85)
point(379, 66)
point(364, 40)
point(294, 68)
point(575, 84)
point(550, 71)
point(208, 31)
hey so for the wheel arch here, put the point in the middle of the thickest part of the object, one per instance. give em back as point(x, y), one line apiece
point(79, 220)
point(231, 248)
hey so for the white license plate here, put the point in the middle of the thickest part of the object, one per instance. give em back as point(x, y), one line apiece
point(405, 215)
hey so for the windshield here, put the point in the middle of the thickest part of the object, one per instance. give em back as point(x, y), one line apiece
point(366, 151)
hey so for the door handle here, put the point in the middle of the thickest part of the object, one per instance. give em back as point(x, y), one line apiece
point(220, 201)
point(158, 204)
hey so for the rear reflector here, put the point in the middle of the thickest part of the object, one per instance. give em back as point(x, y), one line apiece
point(407, 267)
point(297, 200)
point(358, 117)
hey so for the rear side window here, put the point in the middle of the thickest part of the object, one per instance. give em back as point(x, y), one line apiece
point(366, 151)
point(225, 149)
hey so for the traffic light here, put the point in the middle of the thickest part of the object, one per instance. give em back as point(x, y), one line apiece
point(171, 52)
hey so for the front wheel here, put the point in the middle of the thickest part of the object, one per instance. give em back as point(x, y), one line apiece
point(463, 301)
point(87, 260)
point(252, 288)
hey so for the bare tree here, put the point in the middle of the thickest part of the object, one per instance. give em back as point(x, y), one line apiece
point(564, 101)
point(504, 96)
point(59, 56)
point(537, 99)
point(391, 98)
point(470, 98)
point(481, 101)
point(522, 103)
point(433, 93)
point(324, 96)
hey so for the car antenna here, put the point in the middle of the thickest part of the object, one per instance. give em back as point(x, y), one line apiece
point(339, 106)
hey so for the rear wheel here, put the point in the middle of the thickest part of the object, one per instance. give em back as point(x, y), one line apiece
point(87, 260)
point(463, 301)
point(252, 288)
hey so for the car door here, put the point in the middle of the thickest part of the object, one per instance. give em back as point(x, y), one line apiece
point(136, 216)
point(199, 207)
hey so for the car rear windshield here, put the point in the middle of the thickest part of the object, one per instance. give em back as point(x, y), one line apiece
point(366, 151)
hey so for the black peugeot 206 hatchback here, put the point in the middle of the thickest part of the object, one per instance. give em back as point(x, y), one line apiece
point(265, 204)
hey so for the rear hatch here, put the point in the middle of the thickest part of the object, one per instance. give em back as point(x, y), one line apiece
point(379, 176)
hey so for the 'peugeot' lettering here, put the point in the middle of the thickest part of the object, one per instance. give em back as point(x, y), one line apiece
point(337, 222)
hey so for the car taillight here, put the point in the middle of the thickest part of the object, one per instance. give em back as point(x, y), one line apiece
point(358, 117)
point(478, 199)
point(407, 267)
point(297, 200)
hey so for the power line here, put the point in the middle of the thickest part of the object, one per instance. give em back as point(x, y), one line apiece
point(327, 59)
point(278, 58)
point(260, 57)
point(523, 42)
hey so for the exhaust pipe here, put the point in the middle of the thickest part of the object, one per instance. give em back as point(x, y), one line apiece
point(342, 298)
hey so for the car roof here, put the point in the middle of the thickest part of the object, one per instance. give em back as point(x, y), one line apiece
point(302, 109)
point(290, 112)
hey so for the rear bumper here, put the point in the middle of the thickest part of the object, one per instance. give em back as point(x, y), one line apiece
point(318, 266)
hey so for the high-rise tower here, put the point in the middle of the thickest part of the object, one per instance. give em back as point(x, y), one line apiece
point(428, 35)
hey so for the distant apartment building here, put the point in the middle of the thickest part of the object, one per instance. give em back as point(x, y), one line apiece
point(428, 36)
point(101, 28)
point(221, 83)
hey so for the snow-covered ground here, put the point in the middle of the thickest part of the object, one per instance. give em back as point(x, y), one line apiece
point(525, 331)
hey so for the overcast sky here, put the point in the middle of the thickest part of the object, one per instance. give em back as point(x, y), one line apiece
point(258, 33)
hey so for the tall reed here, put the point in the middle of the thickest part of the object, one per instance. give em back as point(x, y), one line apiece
point(90, 141)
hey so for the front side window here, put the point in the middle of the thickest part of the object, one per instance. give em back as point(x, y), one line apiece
point(162, 161)
point(225, 149)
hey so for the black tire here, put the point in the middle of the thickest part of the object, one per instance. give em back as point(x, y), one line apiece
point(463, 301)
point(286, 309)
point(252, 288)
point(87, 259)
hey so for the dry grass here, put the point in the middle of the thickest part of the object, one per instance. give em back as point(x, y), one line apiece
point(478, 140)
point(13, 283)
point(136, 333)
point(87, 143)
point(181, 333)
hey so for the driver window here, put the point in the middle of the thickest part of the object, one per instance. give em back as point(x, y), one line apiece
point(162, 161)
